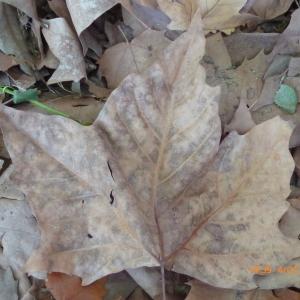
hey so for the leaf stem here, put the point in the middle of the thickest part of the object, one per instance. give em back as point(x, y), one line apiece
point(38, 104)
point(163, 280)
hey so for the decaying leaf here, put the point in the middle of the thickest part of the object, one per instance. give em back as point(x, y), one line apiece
point(286, 275)
point(20, 79)
point(242, 121)
point(65, 46)
point(84, 13)
point(123, 59)
point(287, 43)
point(148, 184)
point(200, 291)
point(290, 222)
point(216, 49)
point(6, 62)
point(241, 45)
point(18, 231)
point(65, 287)
point(8, 285)
point(269, 9)
point(147, 278)
point(216, 14)
point(61, 9)
point(11, 39)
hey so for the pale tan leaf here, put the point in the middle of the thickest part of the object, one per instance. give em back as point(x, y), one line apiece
point(6, 62)
point(148, 279)
point(242, 121)
point(12, 42)
point(137, 233)
point(285, 275)
point(65, 46)
point(122, 59)
point(242, 164)
point(49, 61)
point(290, 222)
point(269, 9)
point(8, 285)
point(250, 76)
point(217, 50)
point(144, 185)
point(270, 87)
point(294, 66)
point(288, 41)
point(61, 9)
point(215, 13)
point(241, 45)
point(84, 13)
point(27, 6)
point(30, 9)
point(18, 231)
point(201, 291)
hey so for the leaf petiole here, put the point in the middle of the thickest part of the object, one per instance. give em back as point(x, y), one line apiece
point(31, 96)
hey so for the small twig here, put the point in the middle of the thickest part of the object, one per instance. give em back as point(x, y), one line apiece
point(297, 3)
point(130, 48)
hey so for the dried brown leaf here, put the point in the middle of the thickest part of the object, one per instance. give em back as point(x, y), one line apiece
point(286, 275)
point(8, 285)
point(200, 291)
point(241, 45)
point(65, 46)
point(6, 62)
point(217, 50)
point(269, 9)
point(217, 14)
point(242, 121)
point(145, 186)
point(18, 231)
point(84, 13)
point(61, 9)
point(65, 287)
point(123, 59)
point(19, 78)
point(12, 41)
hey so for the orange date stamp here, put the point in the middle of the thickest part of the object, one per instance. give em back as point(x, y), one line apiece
point(267, 269)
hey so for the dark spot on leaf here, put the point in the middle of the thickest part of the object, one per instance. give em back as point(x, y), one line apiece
point(112, 198)
point(79, 105)
point(89, 236)
point(110, 170)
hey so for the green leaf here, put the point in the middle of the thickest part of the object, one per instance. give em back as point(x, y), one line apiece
point(286, 98)
point(25, 96)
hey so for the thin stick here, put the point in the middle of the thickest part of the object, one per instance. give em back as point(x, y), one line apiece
point(8, 101)
point(297, 2)
point(130, 48)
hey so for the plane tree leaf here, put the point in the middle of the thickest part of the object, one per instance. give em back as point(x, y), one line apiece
point(148, 184)
point(65, 46)
point(217, 14)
